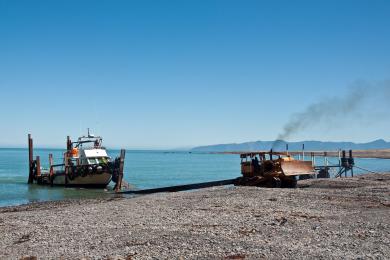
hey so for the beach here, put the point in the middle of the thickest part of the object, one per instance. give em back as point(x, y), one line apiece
point(346, 218)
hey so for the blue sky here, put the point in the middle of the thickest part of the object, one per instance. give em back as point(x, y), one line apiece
point(166, 74)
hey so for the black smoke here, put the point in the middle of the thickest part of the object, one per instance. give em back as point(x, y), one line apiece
point(338, 107)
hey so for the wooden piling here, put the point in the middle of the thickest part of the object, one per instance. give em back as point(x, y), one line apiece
point(67, 158)
point(51, 171)
point(68, 144)
point(30, 159)
point(66, 163)
point(38, 160)
point(121, 166)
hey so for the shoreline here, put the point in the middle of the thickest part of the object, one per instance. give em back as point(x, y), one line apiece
point(114, 196)
point(333, 218)
point(363, 154)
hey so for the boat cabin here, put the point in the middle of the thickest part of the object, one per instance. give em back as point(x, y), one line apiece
point(88, 150)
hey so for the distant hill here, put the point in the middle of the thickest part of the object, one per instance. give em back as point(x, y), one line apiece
point(293, 146)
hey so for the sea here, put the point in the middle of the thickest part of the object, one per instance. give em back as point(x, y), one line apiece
point(143, 169)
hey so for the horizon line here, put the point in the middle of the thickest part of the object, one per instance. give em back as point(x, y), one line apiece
point(189, 147)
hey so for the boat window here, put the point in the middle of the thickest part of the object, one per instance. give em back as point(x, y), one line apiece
point(92, 160)
point(102, 160)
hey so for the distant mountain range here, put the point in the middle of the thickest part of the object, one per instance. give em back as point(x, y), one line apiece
point(293, 146)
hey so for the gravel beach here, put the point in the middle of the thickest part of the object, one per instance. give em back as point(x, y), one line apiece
point(345, 218)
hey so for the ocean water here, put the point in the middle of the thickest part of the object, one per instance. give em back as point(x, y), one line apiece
point(143, 169)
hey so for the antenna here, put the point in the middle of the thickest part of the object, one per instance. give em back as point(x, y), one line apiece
point(90, 135)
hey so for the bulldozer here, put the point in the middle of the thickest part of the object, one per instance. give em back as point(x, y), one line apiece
point(272, 170)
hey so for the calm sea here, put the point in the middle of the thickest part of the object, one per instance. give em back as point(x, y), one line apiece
point(143, 169)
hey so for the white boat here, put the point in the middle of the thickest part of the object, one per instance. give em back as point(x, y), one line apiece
point(86, 163)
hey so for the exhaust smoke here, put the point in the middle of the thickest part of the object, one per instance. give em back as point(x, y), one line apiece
point(332, 108)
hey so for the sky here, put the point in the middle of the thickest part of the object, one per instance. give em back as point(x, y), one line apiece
point(175, 74)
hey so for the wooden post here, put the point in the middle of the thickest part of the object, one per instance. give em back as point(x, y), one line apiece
point(66, 162)
point(121, 165)
point(51, 173)
point(67, 158)
point(68, 143)
point(30, 159)
point(38, 160)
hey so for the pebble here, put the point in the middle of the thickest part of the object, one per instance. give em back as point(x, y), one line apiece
point(212, 223)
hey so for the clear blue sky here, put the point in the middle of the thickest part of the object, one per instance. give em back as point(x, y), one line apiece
point(165, 74)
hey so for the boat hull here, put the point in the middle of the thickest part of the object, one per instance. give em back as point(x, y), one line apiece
point(96, 180)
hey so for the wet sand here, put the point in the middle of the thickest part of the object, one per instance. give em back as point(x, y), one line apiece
point(324, 218)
